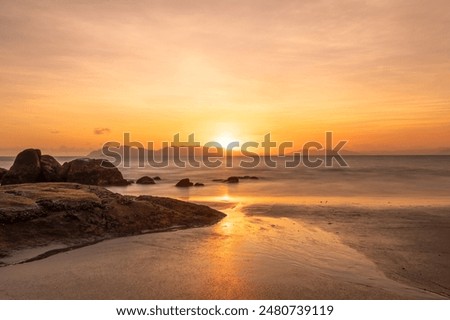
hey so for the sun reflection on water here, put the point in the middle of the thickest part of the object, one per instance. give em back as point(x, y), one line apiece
point(225, 197)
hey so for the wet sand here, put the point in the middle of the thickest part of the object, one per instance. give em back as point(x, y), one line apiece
point(409, 243)
point(256, 252)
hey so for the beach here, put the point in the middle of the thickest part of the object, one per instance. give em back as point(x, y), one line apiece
point(299, 254)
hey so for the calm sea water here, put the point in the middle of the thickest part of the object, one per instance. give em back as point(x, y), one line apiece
point(408, 179)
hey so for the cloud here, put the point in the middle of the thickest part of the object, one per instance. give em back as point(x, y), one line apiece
point(101, 130)
point(55, 132)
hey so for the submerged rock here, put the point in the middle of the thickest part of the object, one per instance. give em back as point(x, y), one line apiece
point(235, 179)
point(232, 180)
point(157, 178)
point(145, 180)
point(248, 177)
point(199, 184)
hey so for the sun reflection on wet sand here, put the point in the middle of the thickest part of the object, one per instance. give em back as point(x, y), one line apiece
point(223, 253)
point(254, 257)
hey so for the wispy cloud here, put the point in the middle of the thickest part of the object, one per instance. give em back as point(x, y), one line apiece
point(102, 130)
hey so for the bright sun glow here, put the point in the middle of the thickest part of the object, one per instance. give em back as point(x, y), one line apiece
point(225, 139)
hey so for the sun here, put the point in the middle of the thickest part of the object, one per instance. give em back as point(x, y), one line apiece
point(225, 133)
point(225, 139)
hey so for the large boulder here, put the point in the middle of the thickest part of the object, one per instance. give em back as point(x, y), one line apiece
point(184, 183)
point(26, 168)
point(145, 180)
point(50, 169)
point(70, 214)
point(97, 172)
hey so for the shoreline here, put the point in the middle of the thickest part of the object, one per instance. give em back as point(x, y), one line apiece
point(396, 238)
point(48, 253)
point(34, 217)
point(236, 251)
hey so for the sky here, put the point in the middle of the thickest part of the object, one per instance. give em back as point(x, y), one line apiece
point(76, 74)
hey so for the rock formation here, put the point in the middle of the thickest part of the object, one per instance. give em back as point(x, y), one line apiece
point(184, 183)
point(2, 173)
point(96, 172)
point(26, 168)
point(41, 214)
point(31, 167)
point(145, 180)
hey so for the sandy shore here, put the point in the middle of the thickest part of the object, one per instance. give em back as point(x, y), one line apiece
point(257, 252)
point(410, 244)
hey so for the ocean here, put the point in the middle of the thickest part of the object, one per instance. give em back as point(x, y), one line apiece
point(367, 179)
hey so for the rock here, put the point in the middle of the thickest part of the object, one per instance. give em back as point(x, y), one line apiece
point(50, 169)
point(96, 172)
point(145, 180)
point(232, 180)
point(198, 184)
point(26, 168)
point(235, 179)
point(184, 183)
point(248, 177)
point(37, 215)
point(2, 173)
point(157, 178)
point(30, 167)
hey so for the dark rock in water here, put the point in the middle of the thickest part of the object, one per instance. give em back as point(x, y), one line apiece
point(198, 184)
point(145, 180)
point(157, 178)
point(248, 177)
point(235, 179)
point(50, 169)
point(97, 172)
point(232, 180)
point(26, 168)
point(2, 173)
point(184, 183)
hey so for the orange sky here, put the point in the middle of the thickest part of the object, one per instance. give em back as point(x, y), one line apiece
point(376, 73)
